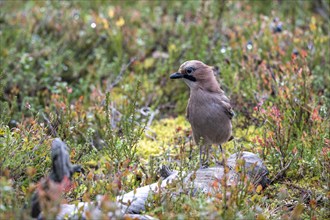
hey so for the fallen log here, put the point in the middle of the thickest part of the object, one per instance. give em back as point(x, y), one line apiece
point(133, 203)
point(202, 181)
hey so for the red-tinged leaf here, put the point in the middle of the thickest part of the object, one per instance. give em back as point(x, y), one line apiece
point(215, 184)
point(313, 203)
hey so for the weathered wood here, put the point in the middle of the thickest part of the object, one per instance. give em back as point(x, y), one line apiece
point(61, 162)
point(203, 181)
point(61, 168)
point(253, 165)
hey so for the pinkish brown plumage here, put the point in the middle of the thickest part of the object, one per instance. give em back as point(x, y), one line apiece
point(209, 111)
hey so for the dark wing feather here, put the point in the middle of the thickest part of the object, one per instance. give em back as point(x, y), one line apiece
point(230, 112)
point(228, 109)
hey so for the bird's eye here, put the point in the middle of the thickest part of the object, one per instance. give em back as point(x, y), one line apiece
point(189, 70)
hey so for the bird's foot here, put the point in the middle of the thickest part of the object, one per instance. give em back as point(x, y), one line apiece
point(204, 165)
point(219, 163)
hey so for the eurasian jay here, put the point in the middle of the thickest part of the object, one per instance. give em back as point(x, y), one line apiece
point(209, 111)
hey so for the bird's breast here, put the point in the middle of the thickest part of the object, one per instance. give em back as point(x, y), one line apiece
point(208, 119)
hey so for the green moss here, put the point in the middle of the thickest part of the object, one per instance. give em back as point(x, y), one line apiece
point(163, 136)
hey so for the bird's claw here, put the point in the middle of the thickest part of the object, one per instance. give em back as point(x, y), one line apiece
point(204, 165)
point(219, 163)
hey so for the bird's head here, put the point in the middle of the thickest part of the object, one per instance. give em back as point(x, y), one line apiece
point(196, 74)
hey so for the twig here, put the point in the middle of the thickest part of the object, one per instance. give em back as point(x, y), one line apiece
point(113, 118)
point(145, 111)
point(53, 131)
point(281, 172)
point(289, 206)
point(87, 140)
point(120, 75)
point(50, 126)
point(118, 78)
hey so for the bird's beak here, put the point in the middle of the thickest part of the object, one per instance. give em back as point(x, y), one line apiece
point(176, 75)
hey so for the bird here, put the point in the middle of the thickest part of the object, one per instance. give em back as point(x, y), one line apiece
point(209, 111)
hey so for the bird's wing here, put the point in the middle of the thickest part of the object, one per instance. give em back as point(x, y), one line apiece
point(228, 109)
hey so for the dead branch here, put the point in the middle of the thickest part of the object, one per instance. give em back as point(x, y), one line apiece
point(120, 75)
point(282, 171)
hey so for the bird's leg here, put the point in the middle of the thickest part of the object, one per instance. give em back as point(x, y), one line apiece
point(200, 156)
point(220, 147)
point(190, 152)
point(201, 152)
point(207, 156)
point(203, 156)
point(222, 152)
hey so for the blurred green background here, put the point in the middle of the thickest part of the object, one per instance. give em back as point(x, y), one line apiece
point(96, 74)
